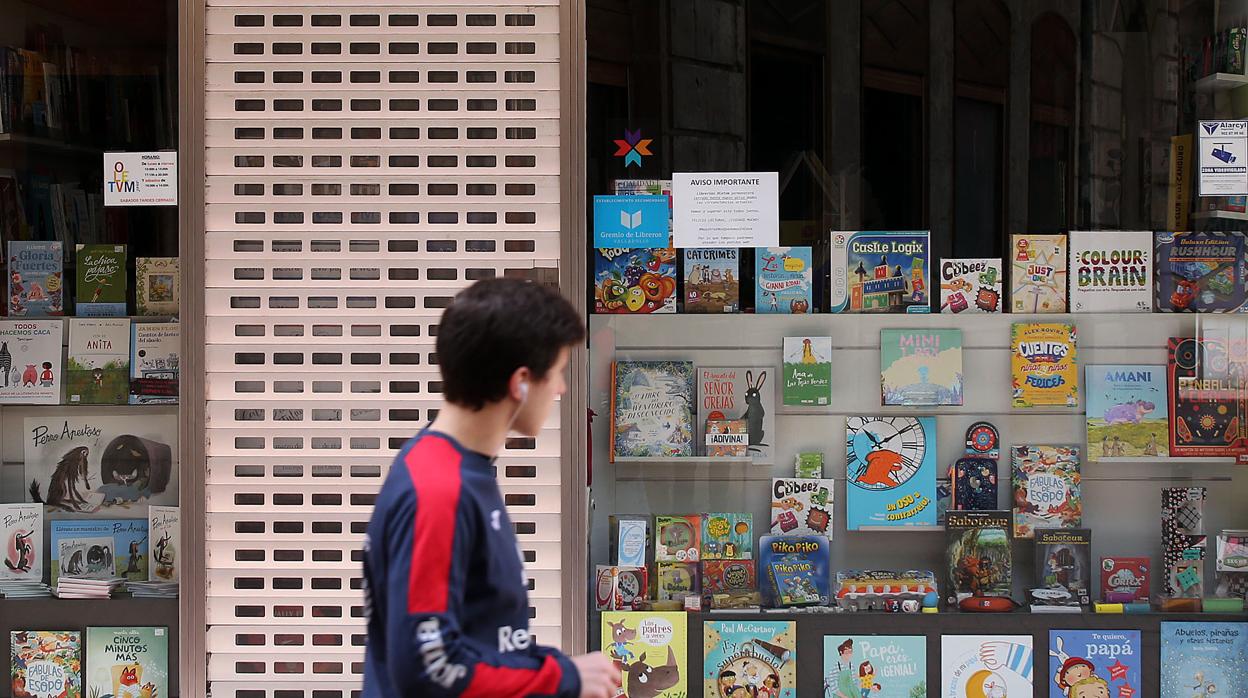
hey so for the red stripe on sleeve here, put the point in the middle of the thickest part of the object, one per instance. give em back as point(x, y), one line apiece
point(500, 682)
point(433, 465)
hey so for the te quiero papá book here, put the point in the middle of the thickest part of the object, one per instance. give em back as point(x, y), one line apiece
point(1042, 364)
point(881, 272)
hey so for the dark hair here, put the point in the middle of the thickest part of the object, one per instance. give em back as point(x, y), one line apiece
point(846, 645)
point(493, 328)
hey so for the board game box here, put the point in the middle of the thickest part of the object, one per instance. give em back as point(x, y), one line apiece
point(881, 272)
point(1111, 272)
point(1125, 579)
point(1201, 272)
point(1038, 273)
point(678, 538)
point(796, 570)
point(712, 280)
point(970, 286)
point(977, 554)
point(802, 506)
point(727, 536)
point(1064, 561)
point(1208, 409)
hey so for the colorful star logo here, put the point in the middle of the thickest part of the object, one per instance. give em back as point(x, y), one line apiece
point(1117, 671)
point(632, 147)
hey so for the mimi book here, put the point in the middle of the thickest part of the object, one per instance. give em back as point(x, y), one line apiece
point(783, 278)
point(712, 280)
point(920, 367)
point(891, 472)
point(651, 409)
point(46, 663)
point(1043, 365)
point(649, 649)
point(1046, 487)
point(1204, 659)
point(1095, 663)
point(879, 666)
point(36, 278)
point(970, 286)
point(807, 371)
point(129, 662)
point(1038, 273)
point(1126, 411)
point(755, 655)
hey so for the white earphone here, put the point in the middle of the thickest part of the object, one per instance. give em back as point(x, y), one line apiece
point(524, 391)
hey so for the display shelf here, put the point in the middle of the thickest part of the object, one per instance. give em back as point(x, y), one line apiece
point(1220, 215)
point(690, 460)
point(42, 143)
point(690, 469)
point(1221, 82)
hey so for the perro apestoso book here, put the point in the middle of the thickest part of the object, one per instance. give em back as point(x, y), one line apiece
point(21, 542)
point(712, 280)
point(878, 666)
point(1038, 273)
point(746, 657)
point(648, 647)
point(881, 272)
point(807, 371)
point(891, 472)
point(970, 286)
point(1042, 364)
point(783, 280)
point(1126, 411)
point(920, 367)
point(1096, 663)
point(651, 409)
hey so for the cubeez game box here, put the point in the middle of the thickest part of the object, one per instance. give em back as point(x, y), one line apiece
point(1201, 272)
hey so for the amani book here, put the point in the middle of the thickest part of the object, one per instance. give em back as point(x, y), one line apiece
point(46, 663)
point(749, 654)
point(98, 370)
point(101, 277)
point(807, 371)
point(879, 666)
point(1042, 364)
point(129, 662)
point(1126, 411)
point(652, 409)
point(921, 367)
point(891, 472)
point(1038, 273)
point(36, 278)
point(1111, 272)
point(649, 649)
point(1046, 484)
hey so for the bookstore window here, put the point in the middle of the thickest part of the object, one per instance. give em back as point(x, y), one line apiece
point(89, 362)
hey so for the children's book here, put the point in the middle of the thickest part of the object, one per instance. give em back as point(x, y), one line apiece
point(712, 280)
point(974, 484)
point(986, 666)
point(970, 286)
point(881, 272)
point(748, 657)
point(95, 547)
point(891, 472)
point(46, 663)
point(164, 531)
point(1204, 659)
point(1086, 663)
point(742, 393)
point(131, 662)
point(155, 348)
point(794, 570)
point(678, 538)
point(157, 285)
point(1038, 273)
point(1201, 272)
point(649, 648)
point(802, 506)
point(1046, 488)
point(878, 666)
point(634, 281)
point(98, 369)
point(728, 577)
point(36, 278)
point(977, 554)
point(1064, 562)
point(1111, 272)
point(1042, 361)
point(21, 535)
point(783, 280)
point(807, 371)
point(727, 438)
point(129, 463)
point(651, 409)
point(1125, 579)
point(30, 362)
point(1208, 412)
point(727, 536)
point(1126, 411)
point(921, 367)
point(101, 278)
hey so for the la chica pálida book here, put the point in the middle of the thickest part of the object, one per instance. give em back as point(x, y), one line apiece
point(755, 655)
point(921, 367)
point(1097, 663)
point(651, 409)
point(891, 472)
point(881, 272)
point(878, 666)
point(1126, 411)
point(648, 648)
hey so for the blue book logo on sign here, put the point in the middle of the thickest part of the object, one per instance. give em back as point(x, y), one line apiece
point(631, 221)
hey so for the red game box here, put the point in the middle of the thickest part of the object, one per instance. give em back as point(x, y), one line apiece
point(1125, 579)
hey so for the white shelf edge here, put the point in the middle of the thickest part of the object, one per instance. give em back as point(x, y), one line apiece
point(687, 460)
point(1221, 82)
point(1220, 215)
point(1172, 460)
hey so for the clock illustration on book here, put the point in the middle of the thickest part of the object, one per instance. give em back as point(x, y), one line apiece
point(883, 452)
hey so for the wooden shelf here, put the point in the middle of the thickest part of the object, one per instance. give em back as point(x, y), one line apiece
point(1221, 82)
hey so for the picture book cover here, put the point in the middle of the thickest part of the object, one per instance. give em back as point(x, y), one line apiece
point(155, 351)
point(1126, 411)
point(971, 286)
point(46, 663)
point(21, 535)
point(802, 506)
point(30, 362)
point(1201, 272)
point(1111, 272)
point(727, 438)
point(986, 666)
point(728, 576)
point(727, 536)
point(974, 484)
point(1125, 579)
point(97, 371)
point(36, 278)
point(1043, 365)
point(164, 533)
point(749, 658)
point(101, 274)
point(634, 281)
point(131, 662)
point(783, 278)
point(891, 472)
point(742, 393)
point(1095, 663)
point(794, 570)
point(807, 371)
point(1038, 273)
point(1204, 659)
point(712, 280)
point(977, 554)
point(129, 463)
point(1207, 389)
point(881, 272)
point(921, 367)
point(157, 286)
point(1046, 488)
point(651, 408)
point(649, 648)
point(94, 547)
point(876, 666)
point(678, 538)
point(1064, 562)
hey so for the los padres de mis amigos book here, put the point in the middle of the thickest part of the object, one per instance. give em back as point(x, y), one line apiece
point(1126, 411)
point(741, 393)
point(651, 409)
point(1042, 364)
point(891, 469)
point(648, 647)
point(1111, 271)
point(46, 663)
point(1097, 663)
point(758, 654)
point(1204, 659)
point(881, 272)
point(879, 666)
point(131, 662)
point(783, 280)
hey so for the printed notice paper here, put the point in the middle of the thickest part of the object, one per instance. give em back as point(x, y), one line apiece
point(141, 179)
point(636, 221)
point(726, 209)
point(1223, 158)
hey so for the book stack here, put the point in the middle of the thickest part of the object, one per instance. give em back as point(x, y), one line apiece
point(24, 589)
point(87, 587)
point(153, 590)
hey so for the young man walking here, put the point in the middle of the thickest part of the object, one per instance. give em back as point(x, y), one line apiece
point(445, 589)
